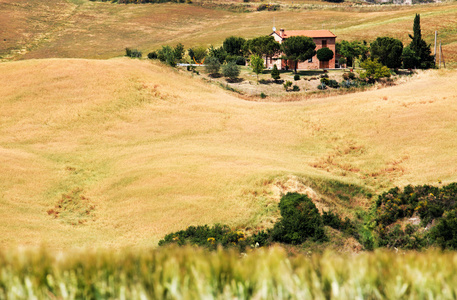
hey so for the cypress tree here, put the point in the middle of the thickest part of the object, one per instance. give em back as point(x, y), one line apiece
point(275, 73)
point(420, 47)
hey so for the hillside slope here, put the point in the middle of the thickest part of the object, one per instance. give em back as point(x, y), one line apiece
point(87, 29)
point(124, 151)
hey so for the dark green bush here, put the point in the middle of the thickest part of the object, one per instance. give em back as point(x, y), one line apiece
point(212, 65)
point(133, 53)
point(231, 70)
point(444, 234)
point(334, 220)
point(275, 73)
point(429, 203)
point(262, 95)
point(333, 84)
point(324, 54)
point(322, 86)
point(152, 55)
point(331, 219)
point(261, 238)
point(325, 80)
point(209, 237)
point(300, 220)
point(240, 60)
point(128, 52)
point(167, 55)
point(296, 77)
point(269, 7)
point(295, 88)
point(395, 237)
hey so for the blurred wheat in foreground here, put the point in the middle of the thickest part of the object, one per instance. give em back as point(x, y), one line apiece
point(192, 273)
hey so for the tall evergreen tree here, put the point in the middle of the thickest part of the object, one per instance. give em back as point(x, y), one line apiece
point(420, 47)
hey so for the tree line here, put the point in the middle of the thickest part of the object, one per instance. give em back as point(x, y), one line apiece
point(376, 58)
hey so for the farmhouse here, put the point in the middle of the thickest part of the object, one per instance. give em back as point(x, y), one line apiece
point(322, 39)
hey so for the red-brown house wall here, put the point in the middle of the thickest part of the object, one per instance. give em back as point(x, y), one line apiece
point(315, 62)
point(305, 65)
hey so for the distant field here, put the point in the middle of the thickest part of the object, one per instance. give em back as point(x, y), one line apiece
point(139, 150)
point(85, 29)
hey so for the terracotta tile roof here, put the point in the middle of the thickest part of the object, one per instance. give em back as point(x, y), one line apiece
point(309, 33)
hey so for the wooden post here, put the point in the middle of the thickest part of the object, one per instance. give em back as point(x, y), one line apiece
point(436, 34)
point(442, 54)
point(439, 64)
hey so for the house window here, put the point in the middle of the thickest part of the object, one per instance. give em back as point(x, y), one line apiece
point(310, 60)
point(324, 43)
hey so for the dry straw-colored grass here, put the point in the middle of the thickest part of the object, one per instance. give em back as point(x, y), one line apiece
point(89, 29)
point(155, 150)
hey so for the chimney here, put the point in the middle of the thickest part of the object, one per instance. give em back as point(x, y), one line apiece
point(281, 34)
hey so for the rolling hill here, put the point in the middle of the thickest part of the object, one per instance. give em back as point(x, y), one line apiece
point(120, 152)
point(86, 29)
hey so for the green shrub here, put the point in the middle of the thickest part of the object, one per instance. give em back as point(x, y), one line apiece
point(128, 52)
point(287, 85)
point(133, 53)
point(444, 234)
point(295, 88)
point(262, 95)
point(395, 237)
point(296, 77)
point(152, 55)
point(346, 84)
point(325, 80)
point(212, 65)
point(374, 70)
point(429, 203)
point(239, 60)
point(322, 86)
point(334, 220)
point(208, 237)
point(275, 73)
point(231, 70)
point(167, 55)
point(197, 54)
point(324, 54)
point(342, 61)
point(331, 219)
point(220, 53)
point(300, 220)
point(333, 84)
point(269, 7)
point(261, 238)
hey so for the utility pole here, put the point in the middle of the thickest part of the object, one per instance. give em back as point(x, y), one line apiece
point(442, 54)
point(436, 34)
point(439, 65)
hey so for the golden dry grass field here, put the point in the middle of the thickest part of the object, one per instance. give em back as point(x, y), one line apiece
point(135, 150)
point(86, 29)
point(119, 152)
